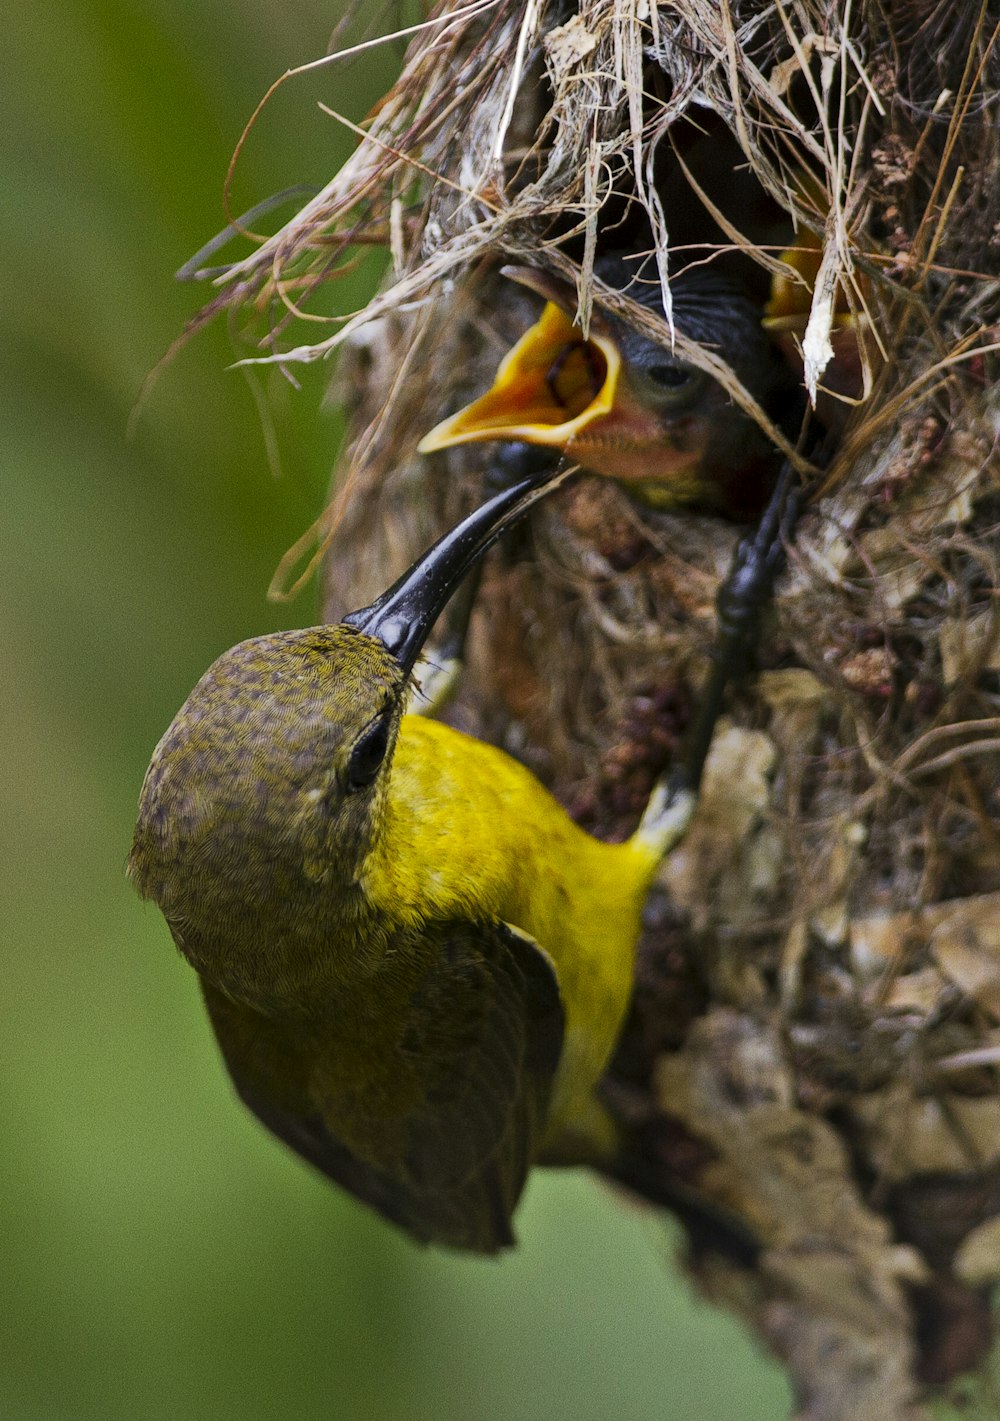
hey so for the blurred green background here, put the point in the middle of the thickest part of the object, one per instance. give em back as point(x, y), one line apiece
point(160, 1255)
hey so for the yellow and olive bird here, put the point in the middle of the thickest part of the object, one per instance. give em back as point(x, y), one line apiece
point(415, 963)
point(621, 405)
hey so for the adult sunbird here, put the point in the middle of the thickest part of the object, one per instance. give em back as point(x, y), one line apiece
point(624, 406)
point(415, 963)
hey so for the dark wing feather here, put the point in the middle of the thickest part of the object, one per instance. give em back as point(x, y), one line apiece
point(472, 1066)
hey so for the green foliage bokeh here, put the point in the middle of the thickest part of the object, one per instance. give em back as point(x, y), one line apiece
point(160, 1255)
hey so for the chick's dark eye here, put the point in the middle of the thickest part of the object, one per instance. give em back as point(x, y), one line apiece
point(367, 755)
point(672, 376)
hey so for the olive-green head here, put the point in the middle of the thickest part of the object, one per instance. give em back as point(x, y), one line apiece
point(262, 800)
point(268, 790)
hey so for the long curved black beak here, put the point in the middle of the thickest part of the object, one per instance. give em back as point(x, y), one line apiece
point(402, 618)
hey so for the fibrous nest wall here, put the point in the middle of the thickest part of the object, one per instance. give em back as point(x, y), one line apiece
point(814, 1047)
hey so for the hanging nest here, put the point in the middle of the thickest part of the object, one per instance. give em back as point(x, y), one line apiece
point(813, 1049)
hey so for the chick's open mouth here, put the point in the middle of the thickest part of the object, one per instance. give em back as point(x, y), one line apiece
point(549, 387)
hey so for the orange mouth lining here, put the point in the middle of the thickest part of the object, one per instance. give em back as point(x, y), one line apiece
point(575, 377)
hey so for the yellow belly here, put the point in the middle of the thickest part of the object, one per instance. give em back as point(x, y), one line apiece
point(471, 833)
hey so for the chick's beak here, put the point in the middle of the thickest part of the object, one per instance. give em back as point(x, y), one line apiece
point(856, 356)
point(548, 389)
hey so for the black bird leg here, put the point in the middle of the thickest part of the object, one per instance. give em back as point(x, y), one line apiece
point(740, 605)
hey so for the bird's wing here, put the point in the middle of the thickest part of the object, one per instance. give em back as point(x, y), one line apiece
point(478, 1054)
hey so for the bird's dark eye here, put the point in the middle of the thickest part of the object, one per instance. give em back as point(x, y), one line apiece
point(671, 375)
point(672, 384)
point(367, 755)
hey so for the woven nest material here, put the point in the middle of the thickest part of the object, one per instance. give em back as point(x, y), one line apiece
point(815, 1040)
